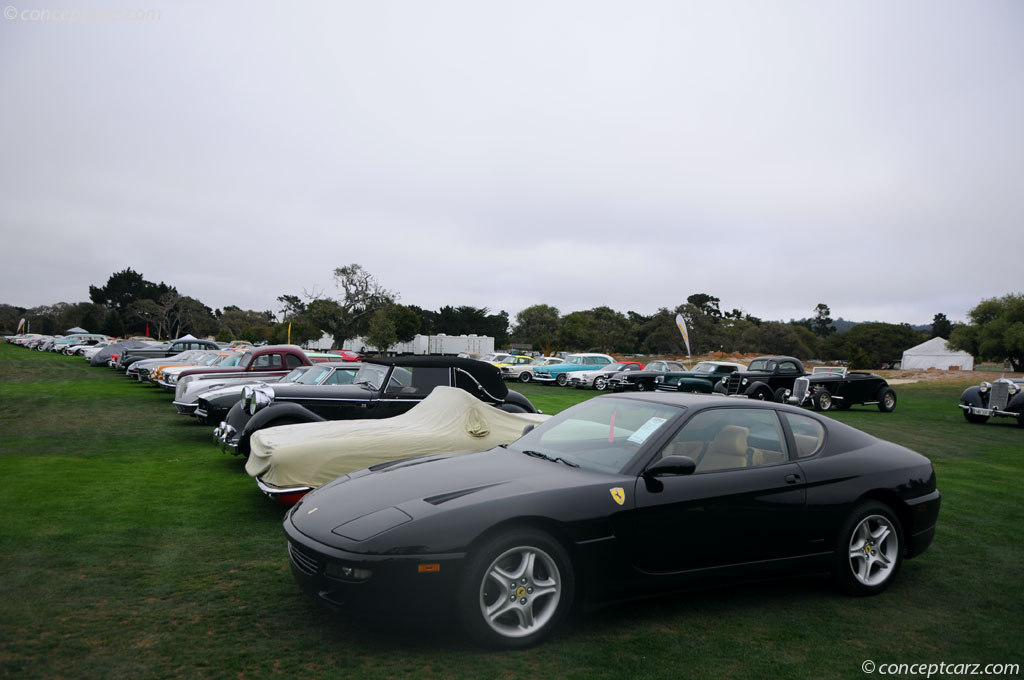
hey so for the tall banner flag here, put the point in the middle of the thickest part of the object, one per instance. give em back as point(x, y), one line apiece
point(682, 329)
point(21, 326)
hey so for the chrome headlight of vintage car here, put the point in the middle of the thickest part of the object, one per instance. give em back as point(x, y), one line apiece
point(660, 379)
point(985, 386)
point(247, 393)
point(744, 381)
point(1012, 387)
point(261, 398)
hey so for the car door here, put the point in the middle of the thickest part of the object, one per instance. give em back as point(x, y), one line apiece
point(744, 503)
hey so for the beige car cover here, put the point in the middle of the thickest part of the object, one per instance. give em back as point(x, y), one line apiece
point(312, 454)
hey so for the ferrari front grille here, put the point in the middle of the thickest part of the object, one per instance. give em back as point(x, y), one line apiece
point(303, 561)
point(999, 395)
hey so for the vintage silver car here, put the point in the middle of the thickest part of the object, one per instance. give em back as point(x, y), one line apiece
point(1003, 397)
point(211, 405)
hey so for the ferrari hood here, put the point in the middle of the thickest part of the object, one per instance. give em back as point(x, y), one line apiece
point(377, 499)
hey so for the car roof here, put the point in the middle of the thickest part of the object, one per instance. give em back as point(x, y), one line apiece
point(484, 372)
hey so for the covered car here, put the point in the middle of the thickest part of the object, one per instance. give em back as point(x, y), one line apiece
point(289, 460)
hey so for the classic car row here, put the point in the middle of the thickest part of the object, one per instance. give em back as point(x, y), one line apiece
point(425, 484)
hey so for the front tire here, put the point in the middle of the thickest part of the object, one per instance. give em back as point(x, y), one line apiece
point(600, 383)
point(975, 418)
point(822, 400)
point(518, 587)
point(869, 551)
point(781, 395)
point(641, 386)
point(886, 400)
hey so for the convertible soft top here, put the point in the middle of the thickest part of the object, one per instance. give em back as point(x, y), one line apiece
point(449, 419)
point(487, 374)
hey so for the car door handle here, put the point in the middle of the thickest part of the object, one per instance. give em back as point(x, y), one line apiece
point(792, 479)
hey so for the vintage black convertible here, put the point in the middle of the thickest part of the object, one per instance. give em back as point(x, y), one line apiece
point(830, 387)
point(381, 388)
point(620, 496)
point(1003, 397)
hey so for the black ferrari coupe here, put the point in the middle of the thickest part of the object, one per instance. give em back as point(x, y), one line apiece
point(620, 496)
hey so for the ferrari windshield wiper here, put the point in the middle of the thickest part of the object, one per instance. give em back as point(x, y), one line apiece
point(538, 454)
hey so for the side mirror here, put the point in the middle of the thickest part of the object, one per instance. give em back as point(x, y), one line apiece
point(671, 465)
point(528, 428)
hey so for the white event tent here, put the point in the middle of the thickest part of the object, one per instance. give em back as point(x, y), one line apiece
point(935, 353)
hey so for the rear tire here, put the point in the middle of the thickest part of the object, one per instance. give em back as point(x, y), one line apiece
point(517, 587)
point(562, 379)
point(641, 386)
point(869, 550)
point(525, 377)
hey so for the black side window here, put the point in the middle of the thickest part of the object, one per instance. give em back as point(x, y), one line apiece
point(292, 361)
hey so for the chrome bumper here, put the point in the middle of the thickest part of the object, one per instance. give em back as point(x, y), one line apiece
point(979, 411)
point(226, 437)
point(275, 491)
point(185, 409)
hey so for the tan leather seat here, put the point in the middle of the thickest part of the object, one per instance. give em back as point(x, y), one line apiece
point(727, 451)
point(762, 457)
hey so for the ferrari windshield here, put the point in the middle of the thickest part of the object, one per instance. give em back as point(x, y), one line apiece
point(604, 435)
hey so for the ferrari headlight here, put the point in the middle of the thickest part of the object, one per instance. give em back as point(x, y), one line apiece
point(984, 387)
point(346, 572)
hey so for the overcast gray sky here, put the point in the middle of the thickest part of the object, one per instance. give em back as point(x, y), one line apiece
point(867, 154)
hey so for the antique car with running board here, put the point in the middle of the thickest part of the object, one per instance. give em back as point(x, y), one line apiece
point(1003, 398)
point(830, 387)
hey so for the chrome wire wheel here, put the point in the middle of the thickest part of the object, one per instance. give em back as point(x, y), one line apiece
point(600, 382)
point(874, 550)
point(520, 592)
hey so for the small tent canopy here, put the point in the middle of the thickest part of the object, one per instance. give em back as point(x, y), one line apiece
point(936, 353)
point(187, 336)
point(76, 329)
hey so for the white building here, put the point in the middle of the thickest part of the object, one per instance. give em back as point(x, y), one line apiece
point(421, 344)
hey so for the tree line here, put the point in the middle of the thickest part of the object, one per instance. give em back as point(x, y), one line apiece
point(128, 304)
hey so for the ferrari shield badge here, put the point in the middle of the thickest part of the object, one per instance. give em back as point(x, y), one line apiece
point(618, 495)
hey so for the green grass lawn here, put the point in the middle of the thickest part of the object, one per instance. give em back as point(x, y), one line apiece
point(130, 547)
